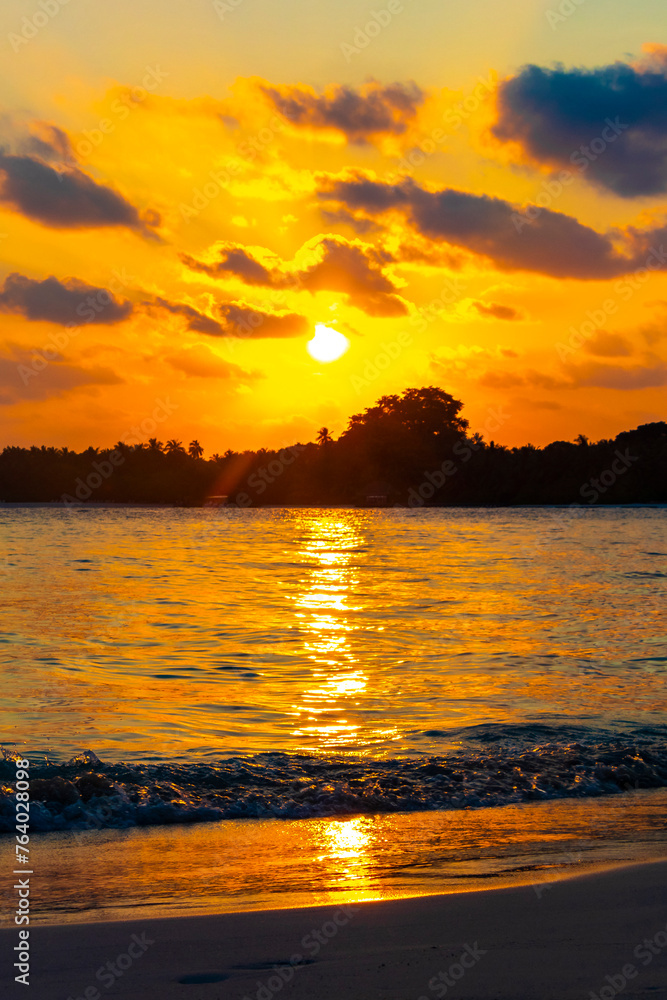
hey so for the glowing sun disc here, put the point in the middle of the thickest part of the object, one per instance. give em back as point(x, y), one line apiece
point(327, 344)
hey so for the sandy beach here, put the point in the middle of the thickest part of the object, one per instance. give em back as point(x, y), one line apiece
point(602, 933)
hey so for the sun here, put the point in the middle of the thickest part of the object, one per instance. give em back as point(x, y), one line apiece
point(327, 344)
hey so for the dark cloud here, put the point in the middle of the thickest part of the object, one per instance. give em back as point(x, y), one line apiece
point(496, 311)
point(235, 261)
point(616, 377)
point(196, 320)
point(360, 192)
point(65, 198)
point(242, 320)
point(530, 378)
point(50, 143)
point(608, 345)
point(361, 225)
point(588, 375)
point(32, 377)
point(542, 404)
point(351, 267)
point(422, 251)
point(561, 117)
point(545, 242)
point(237, 320)
point(654, 334)
point(501, 380)
point(65, 302)
point(372, 110)
point(539, 380)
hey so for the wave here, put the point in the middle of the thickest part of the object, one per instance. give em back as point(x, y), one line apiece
point(482, 766)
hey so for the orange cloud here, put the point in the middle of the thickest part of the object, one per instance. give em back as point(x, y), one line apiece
point(201, 362)
point(494, 310)
point(351, 267)
point(21, 379)
point(608, 345)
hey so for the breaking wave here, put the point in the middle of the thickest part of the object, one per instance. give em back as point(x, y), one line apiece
point(485, 766)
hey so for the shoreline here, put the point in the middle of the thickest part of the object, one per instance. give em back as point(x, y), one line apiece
point(520, 882)
point(599, 931)
point(250, 865)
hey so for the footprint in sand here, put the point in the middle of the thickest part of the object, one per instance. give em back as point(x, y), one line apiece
point(198, 978)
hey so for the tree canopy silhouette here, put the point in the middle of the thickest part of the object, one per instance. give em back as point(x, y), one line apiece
point(428, 413)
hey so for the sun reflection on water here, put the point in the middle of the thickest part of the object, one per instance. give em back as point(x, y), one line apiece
point(347, 855)
point(325, 607)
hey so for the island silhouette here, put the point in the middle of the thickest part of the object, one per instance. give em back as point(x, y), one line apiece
point(412, 450)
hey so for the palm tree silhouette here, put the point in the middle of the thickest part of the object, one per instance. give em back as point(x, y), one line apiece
point(173, 446)
point(323, 436)
point(195, 450)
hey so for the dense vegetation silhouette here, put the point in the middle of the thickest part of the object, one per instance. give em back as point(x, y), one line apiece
point(412, 449)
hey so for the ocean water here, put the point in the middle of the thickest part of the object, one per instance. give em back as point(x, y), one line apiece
point(166, 666)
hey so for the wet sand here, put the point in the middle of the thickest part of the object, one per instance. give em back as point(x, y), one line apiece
point(604, 933)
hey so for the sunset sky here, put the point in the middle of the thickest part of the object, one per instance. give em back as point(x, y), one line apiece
point(472, 194)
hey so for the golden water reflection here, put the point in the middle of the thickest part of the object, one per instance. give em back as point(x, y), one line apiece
point(322, 608)
point(347, 855)
point(325, 608)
